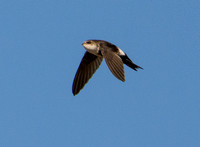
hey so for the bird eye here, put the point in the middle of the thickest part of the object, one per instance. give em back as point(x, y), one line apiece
point(88, 42)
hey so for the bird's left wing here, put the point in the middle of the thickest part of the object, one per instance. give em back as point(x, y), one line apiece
point(88, 66)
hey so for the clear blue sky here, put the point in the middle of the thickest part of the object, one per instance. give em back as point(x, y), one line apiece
point(40, 51)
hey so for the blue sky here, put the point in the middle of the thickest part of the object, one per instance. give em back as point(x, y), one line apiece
point(40, 51)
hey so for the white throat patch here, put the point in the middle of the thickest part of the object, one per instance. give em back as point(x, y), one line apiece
point(92, 48)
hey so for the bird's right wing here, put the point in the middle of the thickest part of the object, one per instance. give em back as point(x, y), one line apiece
point(88, 66)
point(115, 64)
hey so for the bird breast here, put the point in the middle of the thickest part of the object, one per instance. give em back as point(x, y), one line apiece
point(92, 48)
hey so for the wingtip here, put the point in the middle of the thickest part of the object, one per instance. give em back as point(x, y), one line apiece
point(122, 79)
point(74, 92)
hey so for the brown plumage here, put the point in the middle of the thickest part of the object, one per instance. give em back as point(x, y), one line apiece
point(96, 51)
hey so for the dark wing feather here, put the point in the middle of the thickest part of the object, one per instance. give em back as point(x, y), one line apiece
point(115, 64)
point(89, 64)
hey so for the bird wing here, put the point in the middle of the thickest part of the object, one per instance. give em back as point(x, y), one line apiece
point(115, 64)
point(88, 66)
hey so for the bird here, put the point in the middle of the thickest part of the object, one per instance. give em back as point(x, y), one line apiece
point(96, 50)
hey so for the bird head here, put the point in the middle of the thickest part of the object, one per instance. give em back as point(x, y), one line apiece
point(90, 45)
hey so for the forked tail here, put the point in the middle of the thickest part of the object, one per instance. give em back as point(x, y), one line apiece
point(129, 63)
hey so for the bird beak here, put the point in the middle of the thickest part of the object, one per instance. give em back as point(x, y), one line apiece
point(83, 43)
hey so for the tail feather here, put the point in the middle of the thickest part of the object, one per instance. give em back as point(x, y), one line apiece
point(129, 63)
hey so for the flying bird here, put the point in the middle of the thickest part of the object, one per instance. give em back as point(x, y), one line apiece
point(96, 50)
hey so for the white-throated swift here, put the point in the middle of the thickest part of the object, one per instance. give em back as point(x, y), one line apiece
point(96, 50)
